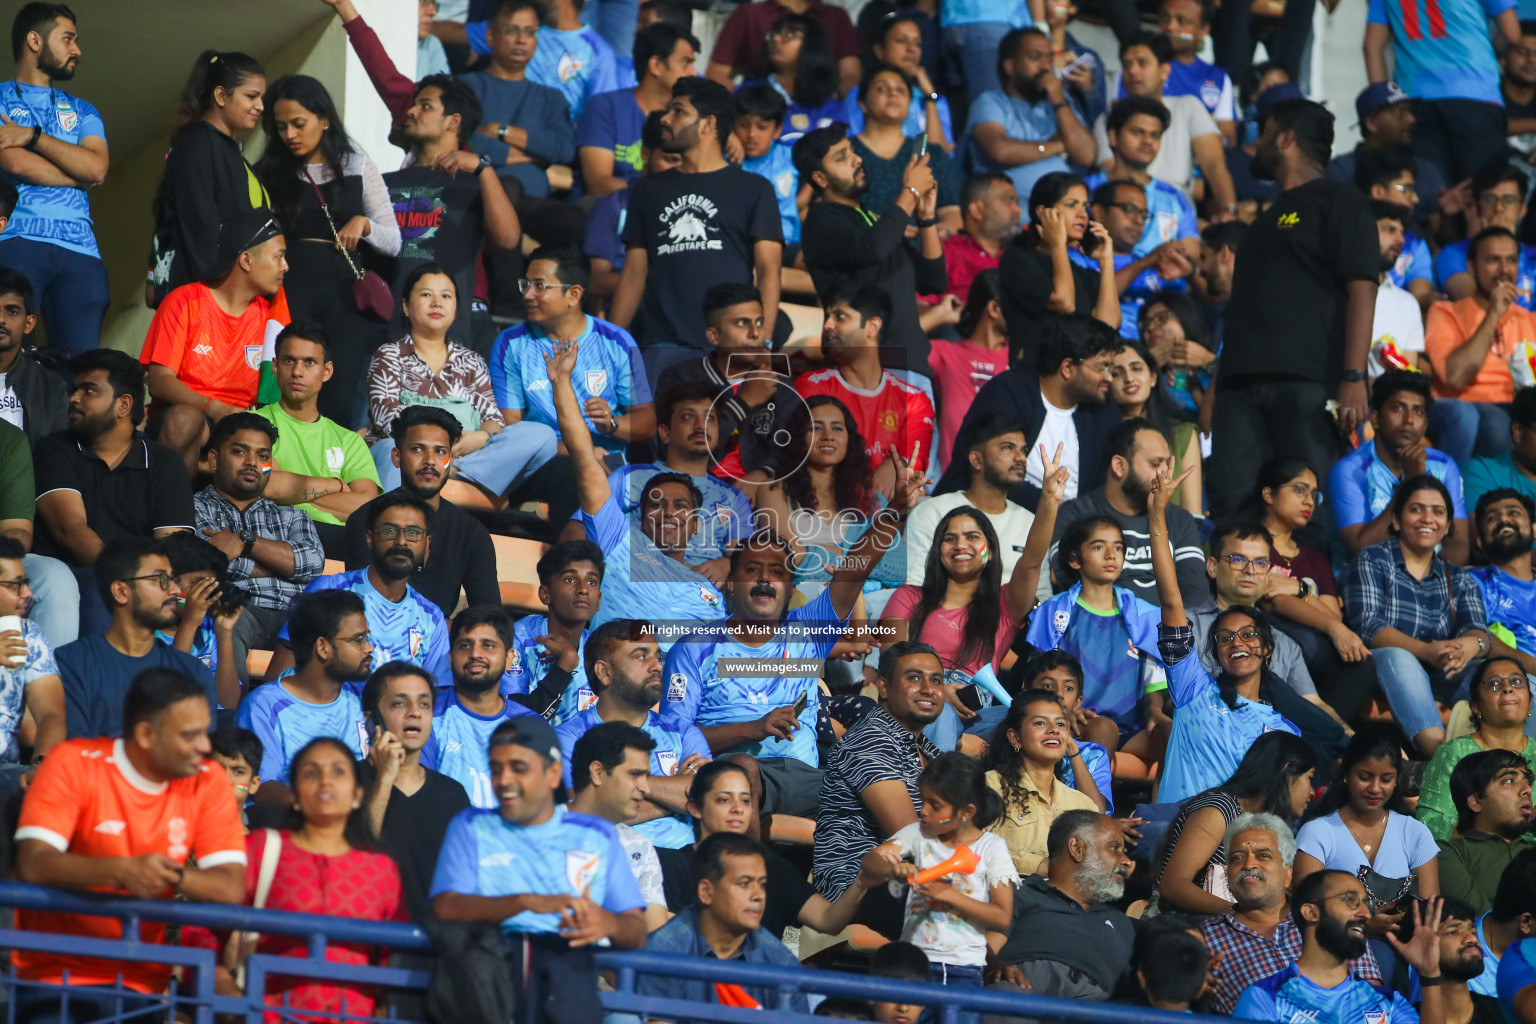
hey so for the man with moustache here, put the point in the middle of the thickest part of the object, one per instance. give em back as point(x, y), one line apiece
point(788, 650)
point(466, 713)
point(31, 397)
point(402, 624)
point(462, 557)
point(545, 666)
point(272, 550)
point(1331, 911)
point(135, 582)
point(1259, 936)
point(1398, 321)
point(1136, 125)
point(1508, 583)
point(624, 669)
point(1066, 940)
point(1492, 793)
point(1461, 963)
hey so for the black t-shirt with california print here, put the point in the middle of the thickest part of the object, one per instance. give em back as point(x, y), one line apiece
point(1286, 316)
point(698, 231)
point(440, 220)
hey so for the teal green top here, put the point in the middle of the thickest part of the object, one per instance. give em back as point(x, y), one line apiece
point(1436, 810)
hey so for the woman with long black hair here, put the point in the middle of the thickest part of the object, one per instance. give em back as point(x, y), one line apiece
point(331, 200)
point(801, 67)
point(1139, 390)
point(207, 180)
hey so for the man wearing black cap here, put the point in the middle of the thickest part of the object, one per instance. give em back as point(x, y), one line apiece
point(556, 880)
point(204, 346)
point(1386, 122)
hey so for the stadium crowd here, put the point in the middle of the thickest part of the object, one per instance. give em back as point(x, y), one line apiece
point(479, 542)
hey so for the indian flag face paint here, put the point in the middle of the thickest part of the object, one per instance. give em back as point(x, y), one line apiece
point(983, 552)
point(266, 467)
point(447, 463)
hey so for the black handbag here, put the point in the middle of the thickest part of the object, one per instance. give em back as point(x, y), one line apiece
point(1386, 893)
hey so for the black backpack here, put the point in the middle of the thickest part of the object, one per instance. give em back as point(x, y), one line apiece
point(472, 977)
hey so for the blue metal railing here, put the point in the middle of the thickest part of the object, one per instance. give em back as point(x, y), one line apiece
point(200, 1003)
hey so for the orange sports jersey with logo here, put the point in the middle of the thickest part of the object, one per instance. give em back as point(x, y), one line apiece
point(211, 352)
point(894, 415)
point(88, 799)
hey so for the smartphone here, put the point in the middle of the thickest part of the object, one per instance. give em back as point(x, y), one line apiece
point(375, 721)
point(799, 708)
point(1063, 72)
point(922, 144)
point(969, 697)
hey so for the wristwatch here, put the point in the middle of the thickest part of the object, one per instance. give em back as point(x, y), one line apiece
point(248, 539)
point(933, 97)
point(485, 161)
point(1353, 376)
point(501, 133)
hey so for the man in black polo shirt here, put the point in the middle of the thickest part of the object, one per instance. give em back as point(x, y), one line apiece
point(101, 480)
point(461, 555)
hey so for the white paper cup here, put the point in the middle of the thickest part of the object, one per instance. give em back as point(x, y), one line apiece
point(9, 623)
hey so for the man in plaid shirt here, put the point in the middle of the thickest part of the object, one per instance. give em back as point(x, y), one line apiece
point(1259, 937)
point(273, 550)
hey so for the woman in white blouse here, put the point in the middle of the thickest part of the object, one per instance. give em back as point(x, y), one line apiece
point(331, 201)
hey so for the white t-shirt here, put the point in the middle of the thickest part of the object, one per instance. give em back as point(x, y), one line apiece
point(1398, 319)
point(10, 405)
point(1012, 528)
point(949, 938)
point(1175, 161)
point(1058, 429)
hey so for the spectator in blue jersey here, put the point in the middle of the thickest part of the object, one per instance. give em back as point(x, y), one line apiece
point(1135, 127)
point(609, 377)
point(526, 125)
point(778, 747)
point(571, 58)
point(646, 571)
point(466, 713)
point(1422, 616)
point(1515, 468)
point(760, 113)
point(1185, 24)
point(725, 923)
point(207, 627)
point(1386, 175)
point(689, 430)
point(408, 805)
point(624, 668)
point(1361, 483)
point(56, 149)
point(608, 135)
point(1443, 58)
point(800, 66)
point(1121, 206)
point(29, 676)
point(1058, 672)
point(899, 41)
point(1386, 116)
point(603, 242)
point(333, 656)
point(134, 581)
point(1215, 718)
point(555, 881)
point(1331, 908)
point(545, 665)
point(1508, 585)
point(404, 625)
point(1498, 193)
point(272, 550)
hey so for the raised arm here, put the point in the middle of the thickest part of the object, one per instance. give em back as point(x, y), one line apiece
point(1166, 573)
point(884, 532)
point(1022, 585)
point(591, 474)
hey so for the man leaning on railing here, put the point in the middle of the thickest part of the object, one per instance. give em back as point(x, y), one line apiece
point(148, 815)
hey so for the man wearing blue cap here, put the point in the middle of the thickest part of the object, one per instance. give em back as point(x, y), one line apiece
point(1387, 121)
point(557, 881)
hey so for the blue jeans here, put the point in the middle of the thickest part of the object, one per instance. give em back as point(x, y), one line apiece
point(69, 289)
point(1464, 429)
point(507, 459)
point(1409, 692)
point(955, 977)
point(55, 599)
point(974, 48)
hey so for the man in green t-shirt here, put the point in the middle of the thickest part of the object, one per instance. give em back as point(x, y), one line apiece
point(318, 464)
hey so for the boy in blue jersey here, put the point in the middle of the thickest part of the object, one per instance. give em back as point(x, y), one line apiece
point(58, 149)
point(556, 881)
point(466, 714)
point(763, 713)
point(1388, 176)
point(609, 376)
point(1060, 673)
point(1135, 127)
point(1331, 909)
point(645, 568)
point(405, 626)
point(331, 648)
point(760, 112)
point(1508, 585)
point(624, 667)
point(545, 662)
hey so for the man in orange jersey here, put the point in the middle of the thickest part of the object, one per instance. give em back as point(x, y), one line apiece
point(149, 816)
point(204, 345)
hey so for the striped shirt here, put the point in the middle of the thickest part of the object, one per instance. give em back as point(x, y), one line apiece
point(269, 521)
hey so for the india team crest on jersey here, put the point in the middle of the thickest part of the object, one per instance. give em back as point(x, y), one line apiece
point(415, 638)
point(253, 356)
point(707, 595)
point(68, 119)
point(1375, 1017)
point(569, 67)
point(514, 659)
point(581, 870)
point(595, 381)
point(667, 761)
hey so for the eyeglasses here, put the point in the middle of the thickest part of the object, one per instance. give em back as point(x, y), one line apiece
point(1226, 638)
point(163, 580)
point(16, 586)
point(1241, 563)
point(389, 531)
point(524, 286)
point(1351, 899)
point(357, 640)
point(1498, 684)
point(1404, 188)
point(1301, 490)
point(1491, 201)
point(1131, 210)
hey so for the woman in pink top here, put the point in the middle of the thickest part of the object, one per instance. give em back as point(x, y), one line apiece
point(963, 609)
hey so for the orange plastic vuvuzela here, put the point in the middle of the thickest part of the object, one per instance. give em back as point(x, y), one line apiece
point(729, 994)
point(962, 862)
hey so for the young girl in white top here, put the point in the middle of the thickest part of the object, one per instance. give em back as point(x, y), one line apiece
point(948, 918)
